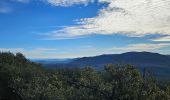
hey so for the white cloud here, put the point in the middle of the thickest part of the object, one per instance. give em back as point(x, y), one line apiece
point(162, 39)
point(5, 7)
point(64, 3)
point(140, 47)
point(159, 48)
point(67, 3)
point(93, 51)
point(32, 53)
point(87, 50)
point(127, 17)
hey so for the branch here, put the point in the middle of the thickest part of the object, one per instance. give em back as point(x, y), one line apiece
point(105, 94)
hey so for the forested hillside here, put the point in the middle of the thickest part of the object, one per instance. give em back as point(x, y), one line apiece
point(21, 79)
point(157, 63)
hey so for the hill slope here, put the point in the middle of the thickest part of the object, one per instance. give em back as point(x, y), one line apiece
point(136, 58)
point(159, 64)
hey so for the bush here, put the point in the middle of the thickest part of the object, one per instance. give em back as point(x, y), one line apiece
point(21, 79)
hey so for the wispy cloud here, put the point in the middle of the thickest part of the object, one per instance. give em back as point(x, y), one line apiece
point(64, 3)
point(127, 17)
point(86, 50)
point(22, 1)
point(32, 53)
point(162, 39)
point(5, 5)
point(140, 47)
point(128, 48)
point(67, 3)
point(5, 9)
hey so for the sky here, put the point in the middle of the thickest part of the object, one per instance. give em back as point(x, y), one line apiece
point(78, 28)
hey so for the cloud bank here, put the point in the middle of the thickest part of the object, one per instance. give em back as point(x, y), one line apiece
point(86, 50)
point(128, 17)
point(162, 39)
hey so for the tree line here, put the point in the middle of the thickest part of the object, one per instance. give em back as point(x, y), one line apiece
point(21, 79)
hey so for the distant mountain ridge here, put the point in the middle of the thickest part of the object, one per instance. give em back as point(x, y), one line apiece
point(158, 63)
point(129, 57)
point(136, 58)
point(52, 61)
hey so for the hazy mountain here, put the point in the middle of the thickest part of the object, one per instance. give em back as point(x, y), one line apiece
point(52, 61)
point(136, 58)
point(159, 64)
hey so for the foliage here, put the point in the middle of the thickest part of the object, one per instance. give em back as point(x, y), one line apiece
point(21, 79)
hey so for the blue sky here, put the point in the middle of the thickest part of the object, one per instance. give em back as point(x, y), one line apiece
point(77, 28)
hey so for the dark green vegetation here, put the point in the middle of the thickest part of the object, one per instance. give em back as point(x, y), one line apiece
point(21, 79)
